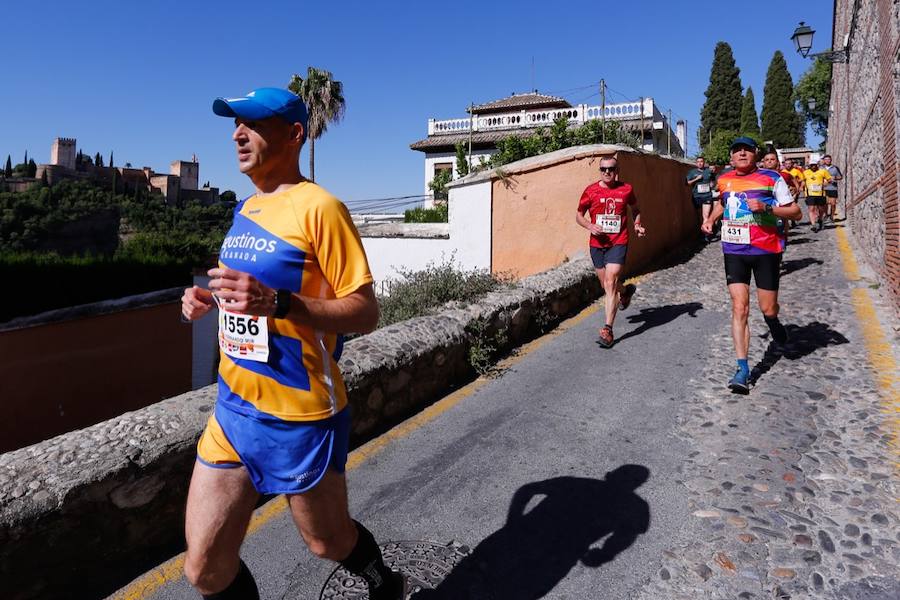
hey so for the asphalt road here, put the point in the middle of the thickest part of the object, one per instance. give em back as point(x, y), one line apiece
point(560, 472)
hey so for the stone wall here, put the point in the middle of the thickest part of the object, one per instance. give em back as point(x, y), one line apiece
point(92, 509)
point(863, 132)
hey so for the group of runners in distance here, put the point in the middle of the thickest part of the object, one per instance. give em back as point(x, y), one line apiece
point(756, 199)
point(293, 277)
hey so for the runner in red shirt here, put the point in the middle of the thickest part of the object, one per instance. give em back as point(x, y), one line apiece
point(606, 203)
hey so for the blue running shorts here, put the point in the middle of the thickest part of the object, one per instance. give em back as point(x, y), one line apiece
point(281, 457)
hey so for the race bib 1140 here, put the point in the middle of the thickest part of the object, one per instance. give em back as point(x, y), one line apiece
point(609, 223)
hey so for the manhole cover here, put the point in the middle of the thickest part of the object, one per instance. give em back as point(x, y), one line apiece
point(427, 564)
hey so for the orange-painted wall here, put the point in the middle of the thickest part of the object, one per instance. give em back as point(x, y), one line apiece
point(533, 213)
point(64, 376)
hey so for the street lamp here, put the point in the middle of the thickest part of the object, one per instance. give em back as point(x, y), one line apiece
point(803, 38)
point(811, 103)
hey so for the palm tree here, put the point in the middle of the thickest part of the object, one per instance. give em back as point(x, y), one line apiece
point(324, 98)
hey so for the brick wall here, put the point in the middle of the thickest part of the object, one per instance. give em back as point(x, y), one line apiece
point(863, 133)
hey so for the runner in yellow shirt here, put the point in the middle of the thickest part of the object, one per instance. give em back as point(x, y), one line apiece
point(816, 179)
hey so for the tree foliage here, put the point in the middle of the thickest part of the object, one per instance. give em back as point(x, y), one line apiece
point(438, 185)
point(8, 170)
point(31, 220)
point(749, 118)
point(558, 136)
point(781, 123)
point(324, 98)
point(462, 160)
point(724, 96)
point(815, 84)
point(717, 151)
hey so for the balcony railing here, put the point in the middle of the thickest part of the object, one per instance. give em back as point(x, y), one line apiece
point(575, 115)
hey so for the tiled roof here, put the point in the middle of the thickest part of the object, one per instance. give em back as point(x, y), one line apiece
point(481, 139)
point(531, 100)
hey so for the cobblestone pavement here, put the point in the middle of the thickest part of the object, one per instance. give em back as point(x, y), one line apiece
point(796, 484)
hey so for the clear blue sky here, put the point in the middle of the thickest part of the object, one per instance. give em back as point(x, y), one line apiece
point(139, 78)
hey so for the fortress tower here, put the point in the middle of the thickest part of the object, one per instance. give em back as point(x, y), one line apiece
point(62, 153)
point(189, 171)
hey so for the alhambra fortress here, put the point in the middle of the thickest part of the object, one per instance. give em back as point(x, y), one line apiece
point(177, 186)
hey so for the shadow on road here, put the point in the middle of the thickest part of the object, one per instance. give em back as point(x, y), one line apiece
point(802, 342)
point(790, 266)
point(798, 241)
point(552, 525)
point(659, 315)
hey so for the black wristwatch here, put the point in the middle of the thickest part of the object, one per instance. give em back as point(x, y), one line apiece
point(769, 209)
point(282, 303)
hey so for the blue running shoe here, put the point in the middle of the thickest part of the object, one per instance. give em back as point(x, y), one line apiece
point(740, 382)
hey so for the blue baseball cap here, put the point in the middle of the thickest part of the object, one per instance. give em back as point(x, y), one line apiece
point(743, 141)
point(263, 103)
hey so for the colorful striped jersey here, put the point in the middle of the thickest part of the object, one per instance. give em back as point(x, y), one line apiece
point(304, 240)
point(735, 190)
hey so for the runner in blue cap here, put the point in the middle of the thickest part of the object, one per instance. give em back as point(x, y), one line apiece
point(292, 276)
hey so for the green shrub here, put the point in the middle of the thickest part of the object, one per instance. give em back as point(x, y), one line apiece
point(420, 292)
point(438, 214)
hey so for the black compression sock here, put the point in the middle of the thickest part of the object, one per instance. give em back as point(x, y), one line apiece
point(365, 560)
point(243, 587)
point(779, 333)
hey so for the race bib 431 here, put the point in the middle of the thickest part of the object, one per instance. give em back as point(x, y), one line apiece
point(735, 233)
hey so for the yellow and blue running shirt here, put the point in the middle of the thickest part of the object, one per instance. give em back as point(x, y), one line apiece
point(304, 240)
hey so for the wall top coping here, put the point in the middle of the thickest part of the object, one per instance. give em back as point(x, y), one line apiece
point(404, 230)
point(552, 158)
point(94, 309)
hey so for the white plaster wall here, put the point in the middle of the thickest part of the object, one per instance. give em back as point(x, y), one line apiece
point(469, 244)
point(470, 224)
point(385, 254)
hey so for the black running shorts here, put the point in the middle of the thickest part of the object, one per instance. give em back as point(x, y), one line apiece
point(604, 256)
point(815, 200)
point(764, 267)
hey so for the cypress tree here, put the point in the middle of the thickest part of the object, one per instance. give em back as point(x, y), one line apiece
point(25, 162)
point(8, 170)
point(724, 96)
point(32, 168)
point(749, 118)
point(98, 160)
point(111, 159)
point(781, 123)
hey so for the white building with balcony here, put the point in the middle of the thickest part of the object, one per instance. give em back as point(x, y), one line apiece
point(521, 114)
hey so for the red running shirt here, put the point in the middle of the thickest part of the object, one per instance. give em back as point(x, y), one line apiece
point(606, 206)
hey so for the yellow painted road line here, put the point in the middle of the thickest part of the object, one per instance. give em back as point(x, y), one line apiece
point(878, 347)
point(851, 268)
point(172, 570)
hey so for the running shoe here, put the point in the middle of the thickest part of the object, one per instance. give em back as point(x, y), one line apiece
point(606, 336)
point(626, 295)
point(740, 382)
